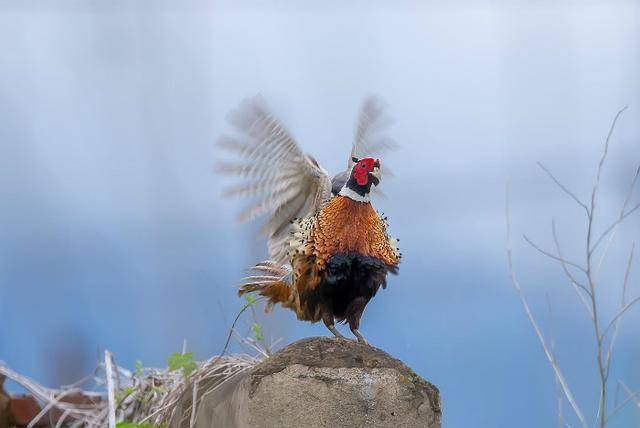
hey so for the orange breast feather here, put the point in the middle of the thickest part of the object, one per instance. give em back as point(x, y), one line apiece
point(344, 225)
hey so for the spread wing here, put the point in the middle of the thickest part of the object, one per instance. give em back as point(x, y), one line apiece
point(284, 182)
point(371, 139)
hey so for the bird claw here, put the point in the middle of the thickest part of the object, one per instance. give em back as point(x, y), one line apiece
point(335, 332)
point(359, 337)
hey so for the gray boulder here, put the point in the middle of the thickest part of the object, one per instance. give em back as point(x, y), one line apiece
point(324, 382)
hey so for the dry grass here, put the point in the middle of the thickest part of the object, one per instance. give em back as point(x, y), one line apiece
point(145, 395)
point(148, 395)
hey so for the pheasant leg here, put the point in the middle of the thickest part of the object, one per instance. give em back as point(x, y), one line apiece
point(353, 317)
point(328, 321)
point(359, 336)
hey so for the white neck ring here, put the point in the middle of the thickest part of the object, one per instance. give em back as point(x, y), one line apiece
point(351, 194)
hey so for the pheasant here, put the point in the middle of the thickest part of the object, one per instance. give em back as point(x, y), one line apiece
point(329, 250)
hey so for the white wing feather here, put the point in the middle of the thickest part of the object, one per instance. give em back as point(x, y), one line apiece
point(285, 182)
point(371, 138)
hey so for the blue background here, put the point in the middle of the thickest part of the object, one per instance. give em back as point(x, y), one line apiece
point(113, 233)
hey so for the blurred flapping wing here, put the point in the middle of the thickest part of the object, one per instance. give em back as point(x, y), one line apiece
point(284, 182)
point(371, 139)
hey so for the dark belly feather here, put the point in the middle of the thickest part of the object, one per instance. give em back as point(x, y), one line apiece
point(348, 278)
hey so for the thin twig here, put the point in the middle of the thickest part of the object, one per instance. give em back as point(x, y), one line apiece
point(602, 405)
point(550, 357)
point(159, 410)
point(614, 225)
point(606, 143)
point(46, 395)
point(50, 405)
point(233, 324)
point(553, 256)
point(632, 397)
point(622, 211)
point(82, 381)
point(108, 365)
point(589, 298)
point(574, 282)
point(62, 418)
point(596, 185)
point(552, 342)
point(194, 404)
point(612, 342)
point(620, 314)
point(635, 396)
point(564, 188)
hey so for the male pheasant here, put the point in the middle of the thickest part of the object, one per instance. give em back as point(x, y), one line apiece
point(329, 249)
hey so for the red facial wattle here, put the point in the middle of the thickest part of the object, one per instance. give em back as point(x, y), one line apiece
point(362, 170)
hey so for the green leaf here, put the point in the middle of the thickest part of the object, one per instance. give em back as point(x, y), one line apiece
point(186, 362)
point(139, 371)
point(257, 331)
point(120, 396)
point(251, 299)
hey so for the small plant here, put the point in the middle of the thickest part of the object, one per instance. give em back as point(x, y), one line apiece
point(124, 393)
point(186, 362)
point(138, 370)
point(256, 329)
point(256, 326)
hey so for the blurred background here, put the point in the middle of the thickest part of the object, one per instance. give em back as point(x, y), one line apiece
point(113, 233)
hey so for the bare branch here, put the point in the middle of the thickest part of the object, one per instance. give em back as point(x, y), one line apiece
point(602, 406)
point(48, 395)
point(550, 357)
point(612, 342)
point(589, 297)
point(574, 283)
point(596, 185)
point(553, 256)
point(622, 211)
point(552, 342)
point(606, 145)
point(194, 405)
point(631, 396)
point(620, 314)
point(62, 418)
point(50, 405)
point(635, 396)
point(563, 187)
point(108, 365)
point(613, 226)
point(601, 163)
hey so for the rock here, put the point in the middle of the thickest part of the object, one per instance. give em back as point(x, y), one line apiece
point(323, 382)
point(4, 405)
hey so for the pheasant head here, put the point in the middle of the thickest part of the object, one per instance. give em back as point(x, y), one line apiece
point(364, 174)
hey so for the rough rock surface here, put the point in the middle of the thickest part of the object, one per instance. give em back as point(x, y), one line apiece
point(324, 382)
point(4, 405)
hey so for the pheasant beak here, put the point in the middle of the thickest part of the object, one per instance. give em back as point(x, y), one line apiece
point(376, 175)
